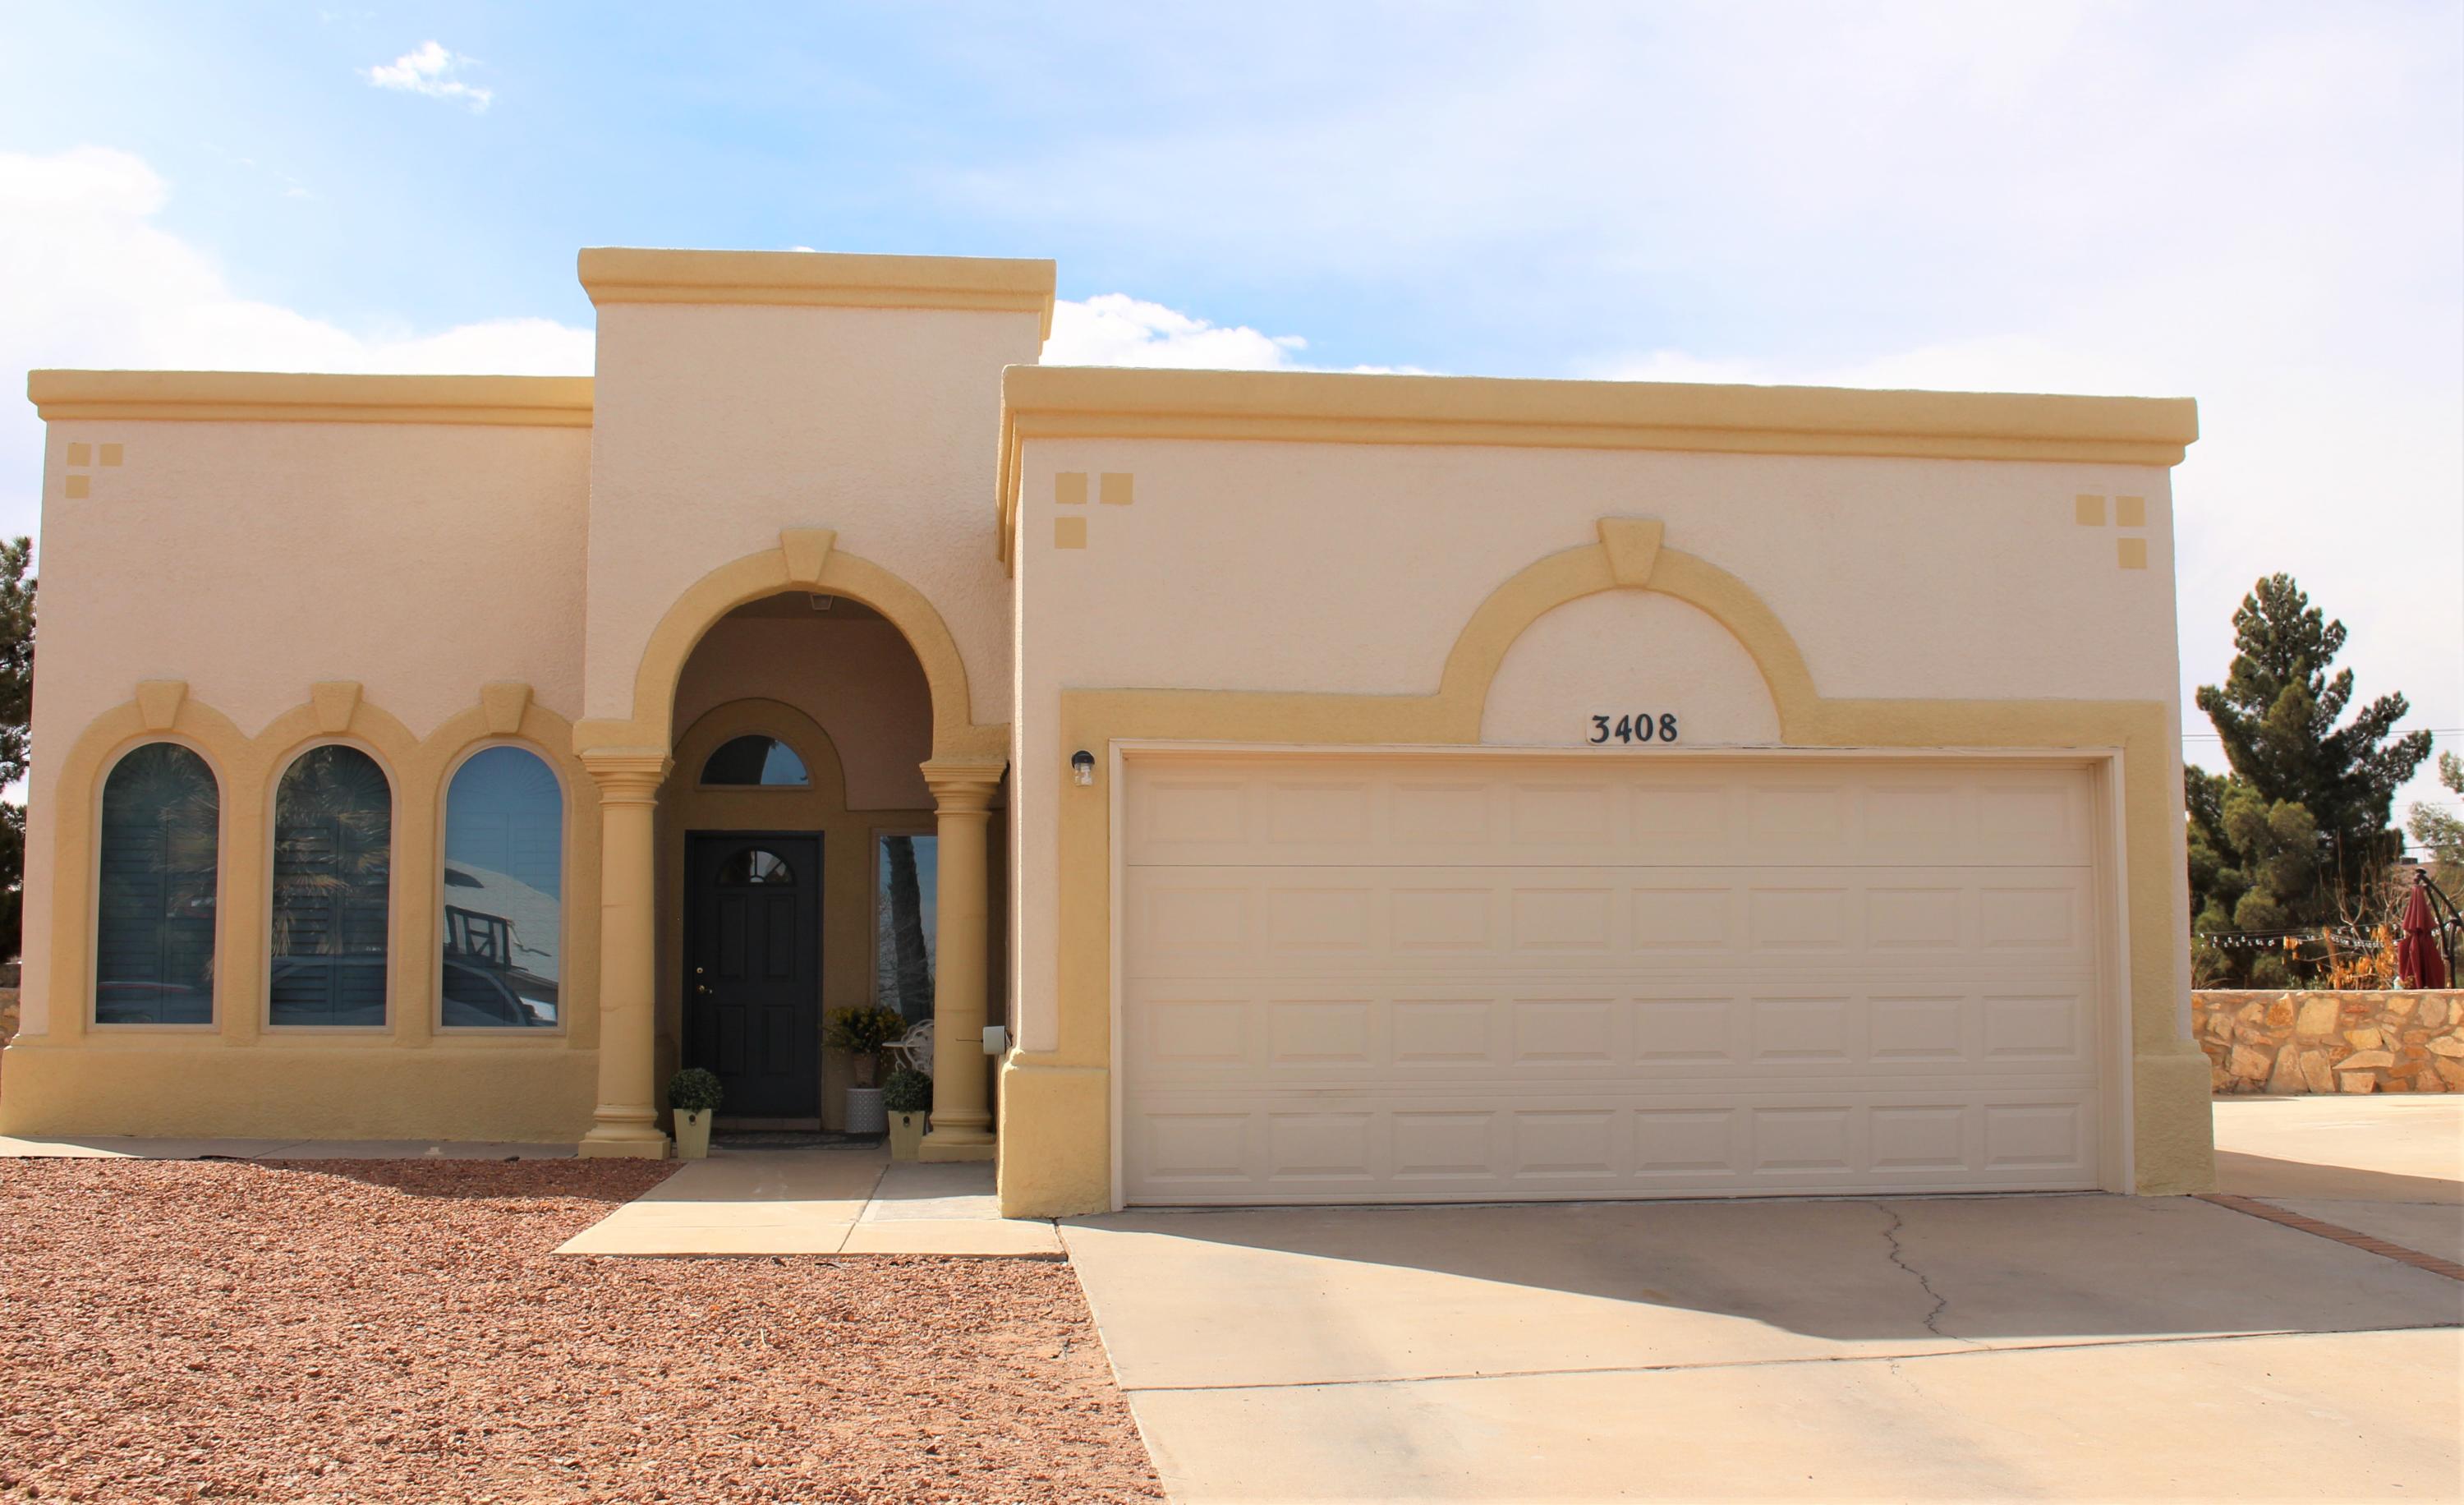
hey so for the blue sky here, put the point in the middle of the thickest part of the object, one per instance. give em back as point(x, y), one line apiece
point(2261, 206)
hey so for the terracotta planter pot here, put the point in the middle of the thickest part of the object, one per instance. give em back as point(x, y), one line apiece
point(692, 1135)
point(906, 1134)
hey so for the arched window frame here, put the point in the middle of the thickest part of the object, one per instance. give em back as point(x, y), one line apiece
point(94, 887)
point(565, 921)
point(271, 821)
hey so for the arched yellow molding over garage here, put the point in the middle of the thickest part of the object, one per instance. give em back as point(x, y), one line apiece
point(1629, 556)
point(808, 560)
point(1056, 1100)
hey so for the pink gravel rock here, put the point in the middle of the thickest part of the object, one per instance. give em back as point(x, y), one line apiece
point(399, 1330)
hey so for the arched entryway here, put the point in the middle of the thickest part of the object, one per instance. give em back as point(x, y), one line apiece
point(813, 697)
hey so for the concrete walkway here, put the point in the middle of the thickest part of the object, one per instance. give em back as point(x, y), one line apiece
point(852, 1200)
point(816, 1202)
point(1954, 1348)
point(2391, 1167)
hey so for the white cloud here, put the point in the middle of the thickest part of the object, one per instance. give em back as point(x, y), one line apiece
point(104, 286)
point(1117, 329)
point(429, 69)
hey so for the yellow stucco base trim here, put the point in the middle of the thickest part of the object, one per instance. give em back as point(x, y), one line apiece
point(183, 1078)
point(1068, 1170)
point(179, 1088)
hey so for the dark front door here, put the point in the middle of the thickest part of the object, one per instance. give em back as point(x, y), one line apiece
point(753, 969)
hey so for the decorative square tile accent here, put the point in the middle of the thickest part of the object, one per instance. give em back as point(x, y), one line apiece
point(110, 453)
point(1116, 488)
point(1069, 533)
point(2130, 512)
point(2133, 552)
point(1069, 488)
point(77, 487)
point(2090, 511)
point(80, 455)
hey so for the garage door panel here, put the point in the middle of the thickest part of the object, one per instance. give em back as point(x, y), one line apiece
point(1452, 981)
point(1551, 813)
point(1292, 1148)
point(1370, 1031)
point(1219, 922)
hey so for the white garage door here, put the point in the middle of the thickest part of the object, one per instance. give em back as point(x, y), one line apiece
point(1442, 979)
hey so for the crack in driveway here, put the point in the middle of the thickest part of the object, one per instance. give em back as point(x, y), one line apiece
point(1898, 1258)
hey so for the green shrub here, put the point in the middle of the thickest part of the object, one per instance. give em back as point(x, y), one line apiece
point(694, 1090)
point(908, 1091)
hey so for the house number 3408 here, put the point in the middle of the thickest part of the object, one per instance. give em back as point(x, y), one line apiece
point(1639, 727)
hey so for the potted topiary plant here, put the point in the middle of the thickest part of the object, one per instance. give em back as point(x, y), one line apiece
point(862, 1032)
point(694, 1093)
point(908, 1095)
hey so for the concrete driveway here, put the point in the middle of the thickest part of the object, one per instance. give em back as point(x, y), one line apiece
point(1947, 1349)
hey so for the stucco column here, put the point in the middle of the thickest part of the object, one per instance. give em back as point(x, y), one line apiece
point(961, 1124)
point(627, 1120)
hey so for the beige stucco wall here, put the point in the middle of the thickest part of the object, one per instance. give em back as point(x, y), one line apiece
point(253, 560)
point(1350, 567)
point(716, 425)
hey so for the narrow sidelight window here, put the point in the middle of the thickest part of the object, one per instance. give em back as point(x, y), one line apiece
point(154, 921)
point(333, 875)
point(504, 891)
point(905, 874)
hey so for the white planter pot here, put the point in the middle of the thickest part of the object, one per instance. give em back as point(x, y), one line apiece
point(692, 1135)
point(865, 1112)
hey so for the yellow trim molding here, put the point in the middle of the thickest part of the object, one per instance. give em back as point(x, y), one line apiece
point(403, 1078)
point(807, 560)
point(1056, 1158)
point(534, 402)
point(1045, 401)
point(612, 274)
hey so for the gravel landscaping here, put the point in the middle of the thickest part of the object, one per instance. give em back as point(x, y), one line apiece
point(386, 1330)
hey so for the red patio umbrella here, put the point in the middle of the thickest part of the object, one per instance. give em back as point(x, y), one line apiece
point(2417, 955)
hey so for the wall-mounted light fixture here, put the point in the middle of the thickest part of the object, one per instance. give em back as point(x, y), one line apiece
point(1082, 767)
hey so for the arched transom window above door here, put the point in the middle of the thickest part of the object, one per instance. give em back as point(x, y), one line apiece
point(755, 761)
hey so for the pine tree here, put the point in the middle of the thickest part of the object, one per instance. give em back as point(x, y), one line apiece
point(2276, 713)
point(2439, 830)
point(16, 715)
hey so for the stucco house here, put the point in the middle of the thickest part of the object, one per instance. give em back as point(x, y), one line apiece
point(1278, 788)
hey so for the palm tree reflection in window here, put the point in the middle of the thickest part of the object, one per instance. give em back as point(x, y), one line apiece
point(902, 924)
point(333, 874)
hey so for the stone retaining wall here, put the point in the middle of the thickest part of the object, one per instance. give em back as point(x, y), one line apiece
point(2273, 1042)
